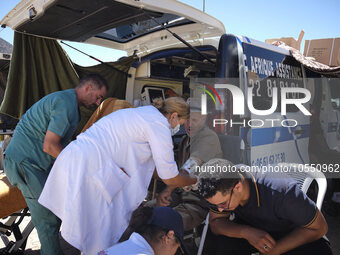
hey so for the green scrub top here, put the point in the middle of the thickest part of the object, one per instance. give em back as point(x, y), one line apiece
point(57, 112)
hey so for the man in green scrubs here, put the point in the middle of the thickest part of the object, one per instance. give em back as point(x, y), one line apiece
point(43, 131)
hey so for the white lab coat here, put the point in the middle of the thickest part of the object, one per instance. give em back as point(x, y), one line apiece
point(136, 245)
point(87, 188)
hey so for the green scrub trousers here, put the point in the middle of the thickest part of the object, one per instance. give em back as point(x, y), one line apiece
point(30, 179)
point(27, 165)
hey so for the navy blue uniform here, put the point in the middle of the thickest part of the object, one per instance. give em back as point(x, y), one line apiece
point(276, 205)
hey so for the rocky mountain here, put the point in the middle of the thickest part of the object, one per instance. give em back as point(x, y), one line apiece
point(5, 47)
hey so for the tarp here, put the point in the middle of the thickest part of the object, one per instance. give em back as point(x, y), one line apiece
point(3, 79)
point(40, 66)
point(307, 62)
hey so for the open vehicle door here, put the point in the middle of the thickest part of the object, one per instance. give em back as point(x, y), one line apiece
point(122, 24)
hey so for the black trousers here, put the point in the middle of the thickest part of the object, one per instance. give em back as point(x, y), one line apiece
point(223, 245)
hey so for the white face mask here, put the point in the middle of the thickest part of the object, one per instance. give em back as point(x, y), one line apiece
point(175, 129)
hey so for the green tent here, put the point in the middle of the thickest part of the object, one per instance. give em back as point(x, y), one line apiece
point(40, 66)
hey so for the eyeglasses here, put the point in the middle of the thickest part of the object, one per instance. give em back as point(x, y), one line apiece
point(222, 205)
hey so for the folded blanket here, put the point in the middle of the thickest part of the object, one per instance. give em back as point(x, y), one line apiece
point(108, 106)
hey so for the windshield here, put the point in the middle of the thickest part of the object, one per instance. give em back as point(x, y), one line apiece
point(131, 31)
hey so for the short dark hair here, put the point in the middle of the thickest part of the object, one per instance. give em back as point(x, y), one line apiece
point(94, 79)
point(217, 180)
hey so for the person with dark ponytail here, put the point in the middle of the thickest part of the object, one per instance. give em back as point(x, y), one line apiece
point(103, 176)
point(152, 231)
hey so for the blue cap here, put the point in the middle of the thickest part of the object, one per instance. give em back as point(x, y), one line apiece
point(167, 218)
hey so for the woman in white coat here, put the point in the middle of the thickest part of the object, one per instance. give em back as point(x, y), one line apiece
point(99, 179)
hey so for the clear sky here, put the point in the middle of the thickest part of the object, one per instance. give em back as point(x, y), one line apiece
point(258, 19)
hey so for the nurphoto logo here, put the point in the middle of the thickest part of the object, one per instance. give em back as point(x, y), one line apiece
point(288, 96)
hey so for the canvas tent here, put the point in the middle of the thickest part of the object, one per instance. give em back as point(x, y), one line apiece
point(40, 66)
point(5, 56)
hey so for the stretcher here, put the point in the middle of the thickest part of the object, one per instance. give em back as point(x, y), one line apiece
point(13, 210)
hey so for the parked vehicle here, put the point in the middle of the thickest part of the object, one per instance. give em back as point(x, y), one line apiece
point(179, 47)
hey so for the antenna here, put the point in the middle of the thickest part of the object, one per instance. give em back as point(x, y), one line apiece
point(203, 5)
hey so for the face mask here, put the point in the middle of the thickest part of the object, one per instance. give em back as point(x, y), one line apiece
point(175, 129)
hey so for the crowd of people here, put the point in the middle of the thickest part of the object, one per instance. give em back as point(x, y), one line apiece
point(95, 185)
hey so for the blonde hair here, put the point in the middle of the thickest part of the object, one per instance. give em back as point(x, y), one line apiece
point(171, 105)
